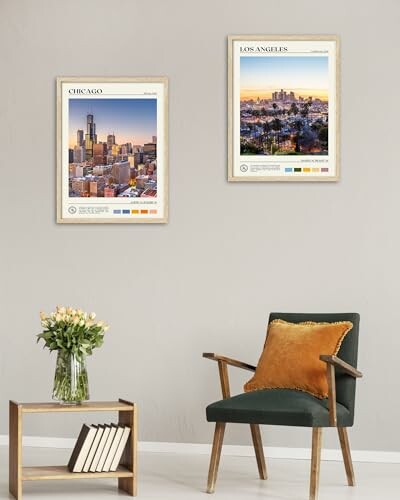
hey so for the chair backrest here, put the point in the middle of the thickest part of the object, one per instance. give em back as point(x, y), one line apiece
point(345, 384)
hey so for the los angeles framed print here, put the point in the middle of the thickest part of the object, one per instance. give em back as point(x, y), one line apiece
point(283, 108)
point(112, 150)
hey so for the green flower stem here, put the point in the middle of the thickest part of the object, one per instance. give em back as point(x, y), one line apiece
point(70, 380)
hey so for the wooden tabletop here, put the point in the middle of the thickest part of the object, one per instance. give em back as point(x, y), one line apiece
point(87, 406)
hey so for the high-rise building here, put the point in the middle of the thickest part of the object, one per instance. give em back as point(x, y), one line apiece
point(154, 139)
point(79, 154)
point(101, 169)
point(283, 96)
point(72, 170)
point(121, 172)
point(70, 155)
point(110, 141)
point(99, 153)
point(91, 127)
point(131, 159)
point(150, 151)
point(82, 170)
point(79, 137)
point(90, 136)
point(96, 187)
point(80, 186)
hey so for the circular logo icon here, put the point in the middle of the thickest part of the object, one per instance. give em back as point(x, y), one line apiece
point(72, 210)
point(244, 168)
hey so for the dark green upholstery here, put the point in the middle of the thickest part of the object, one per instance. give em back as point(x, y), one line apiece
point(296, 408)
point(276, 407)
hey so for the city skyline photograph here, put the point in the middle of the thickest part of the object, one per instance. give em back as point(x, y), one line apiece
point(284, 106)
point(112, 148)
point(130, 120)
point(306, 76)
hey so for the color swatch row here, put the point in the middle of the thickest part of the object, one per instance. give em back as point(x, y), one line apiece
point(134, 211)
point(306, 170)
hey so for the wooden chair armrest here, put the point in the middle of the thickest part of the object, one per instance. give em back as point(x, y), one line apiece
point(333, 363)
point(229, 361)
point(223, 363)
point(341, 365)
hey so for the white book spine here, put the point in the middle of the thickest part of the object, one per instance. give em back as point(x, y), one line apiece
point(85, 450)
point(106, 449)
point(113, 448)
point(97, 455)
point(120, 449)
point(93, 448)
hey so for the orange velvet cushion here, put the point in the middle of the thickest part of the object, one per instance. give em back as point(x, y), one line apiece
point(290, 359)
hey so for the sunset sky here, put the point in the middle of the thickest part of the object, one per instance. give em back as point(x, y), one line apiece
point(304, 75)
point(131, 120)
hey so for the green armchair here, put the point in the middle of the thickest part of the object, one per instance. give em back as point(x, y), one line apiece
point(291, 407)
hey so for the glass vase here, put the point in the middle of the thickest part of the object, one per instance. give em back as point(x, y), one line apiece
point(71, 384)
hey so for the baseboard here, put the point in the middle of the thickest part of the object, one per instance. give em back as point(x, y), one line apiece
point(270, 452)
point(390, 457)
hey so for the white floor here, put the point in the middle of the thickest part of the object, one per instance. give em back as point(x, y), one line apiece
point(173, 476)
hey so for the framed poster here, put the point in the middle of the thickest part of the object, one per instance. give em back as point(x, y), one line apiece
point(283, 108)
point(112, 150)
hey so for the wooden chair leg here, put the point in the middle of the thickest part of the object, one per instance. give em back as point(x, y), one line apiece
point(215, 455)
point(258, 448)
point(315, 461)
point(348, 464)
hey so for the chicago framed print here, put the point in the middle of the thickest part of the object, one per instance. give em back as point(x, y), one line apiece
point(112, 150)
point(283, 108)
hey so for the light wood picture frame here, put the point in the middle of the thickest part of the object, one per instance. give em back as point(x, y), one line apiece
point(283, 108)
point(112, 150)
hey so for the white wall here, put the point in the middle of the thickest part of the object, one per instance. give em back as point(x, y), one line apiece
point(231, 253)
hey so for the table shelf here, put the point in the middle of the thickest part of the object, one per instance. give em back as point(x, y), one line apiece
point(56, 472)
point(126, 474)
point(88, 406)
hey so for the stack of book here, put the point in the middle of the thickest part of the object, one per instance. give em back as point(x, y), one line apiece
point(99, 448)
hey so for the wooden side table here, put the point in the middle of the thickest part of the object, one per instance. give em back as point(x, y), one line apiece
point(126, 472)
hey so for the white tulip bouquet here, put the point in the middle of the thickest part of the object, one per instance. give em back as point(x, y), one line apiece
point(72, 330)
point(74, 334)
